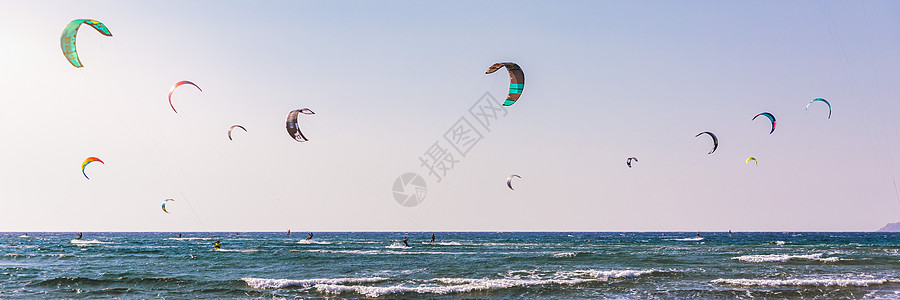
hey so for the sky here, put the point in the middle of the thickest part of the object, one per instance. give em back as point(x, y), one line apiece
point(388, 80)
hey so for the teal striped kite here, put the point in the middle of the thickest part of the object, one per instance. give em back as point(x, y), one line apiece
point(67, 40)
point(821, 100)
point(516, 80)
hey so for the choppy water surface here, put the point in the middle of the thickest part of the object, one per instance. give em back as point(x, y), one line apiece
point(456, 266)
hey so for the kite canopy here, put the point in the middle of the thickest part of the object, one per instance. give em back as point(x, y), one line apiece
point(88, 161)
point(172, 90)
point(771, 118)
point(233, 127)
point(821, 100)
point(749, 159)
point(164, 205)
point(509, 180)
point(67, 40)
point(293, 125)
point(628, 161)
point(516, 80)
point(714, 138)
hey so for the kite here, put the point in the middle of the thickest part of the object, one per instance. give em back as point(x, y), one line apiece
point(715, 140)
point(821, 100)
point(628, 161)
point(164, 205)
point(293, 125)
point(771, 118)
point(232, 128)
point(172, 90)
point(516, 80)
point(88, 161)
point(509, 180)
point(752, 159)
point(67, 40)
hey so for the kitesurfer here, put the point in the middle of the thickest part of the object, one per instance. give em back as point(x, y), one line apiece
point(79, 236)
point(179, 235)
point(217, 245)
point(289, 232)
point(698, 234)
point(432, 238)
point(406, 241)
point(310, 236)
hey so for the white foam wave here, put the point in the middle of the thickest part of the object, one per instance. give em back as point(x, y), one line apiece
point(565, 254)
point(313, 242)
point(88, 242)
point(779, 243)
point(694, 239)
point(803, 282)
point(442, 243)
point(236, 250)
point(397, 246)
point(608, 273)
point(38, 255)
point(380, 252)
point(458, 285)
point(263, 283)
point(784, 257)
point(191, 239)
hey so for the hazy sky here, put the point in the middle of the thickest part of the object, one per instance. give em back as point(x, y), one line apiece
point(387, 79)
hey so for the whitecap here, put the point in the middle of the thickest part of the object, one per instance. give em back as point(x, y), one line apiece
point(457, 285)
point(380, 252)
point(442, 243)
point(313, 242)
point(783, 257)
point(609, 273)
point(396, 246)
point(694, 239)
point(236, 250)
point(565, 254)
point(88, 242)
point(263, 283)
point(803, 282)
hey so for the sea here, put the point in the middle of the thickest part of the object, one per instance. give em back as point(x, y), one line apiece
point(458, 265)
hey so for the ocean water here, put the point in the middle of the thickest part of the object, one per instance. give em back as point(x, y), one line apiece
point(458, 265)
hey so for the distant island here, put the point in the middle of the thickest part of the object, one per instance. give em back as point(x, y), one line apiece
point(890, 227)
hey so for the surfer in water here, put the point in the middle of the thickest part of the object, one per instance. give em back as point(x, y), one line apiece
point(179, 235)
point(698, 234)
point(406, 241)
point(289, 232)
point(432, 238)
point(217, 245)
point(310, 236)
point(25, 234)
point(79, 236)
point(729, 232)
